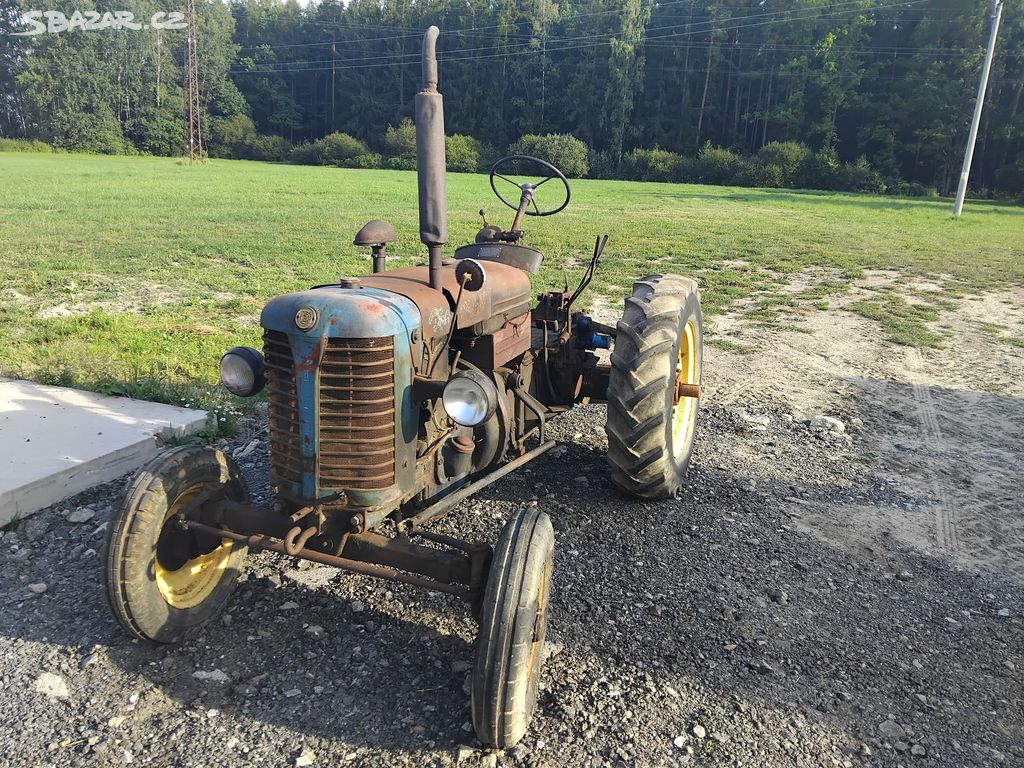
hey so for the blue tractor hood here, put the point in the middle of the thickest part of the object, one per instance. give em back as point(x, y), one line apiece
point(343, 312)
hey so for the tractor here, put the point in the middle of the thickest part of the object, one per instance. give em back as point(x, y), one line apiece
point(394, 396)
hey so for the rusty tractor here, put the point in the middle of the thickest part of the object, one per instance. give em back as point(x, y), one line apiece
point(394, 396)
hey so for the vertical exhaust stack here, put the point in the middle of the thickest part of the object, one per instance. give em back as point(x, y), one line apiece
point(430, 160)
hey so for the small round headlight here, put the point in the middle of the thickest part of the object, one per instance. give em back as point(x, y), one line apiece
point(469, 398)
point(241, 371)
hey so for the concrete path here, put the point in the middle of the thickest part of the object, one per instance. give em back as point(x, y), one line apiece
point(56, 442)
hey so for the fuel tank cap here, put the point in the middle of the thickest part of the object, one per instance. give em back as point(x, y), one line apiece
point(349, 282)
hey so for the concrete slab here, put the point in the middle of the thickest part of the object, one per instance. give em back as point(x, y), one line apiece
point(56, 442)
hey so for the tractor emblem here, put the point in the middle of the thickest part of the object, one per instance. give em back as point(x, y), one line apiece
point(305, 318)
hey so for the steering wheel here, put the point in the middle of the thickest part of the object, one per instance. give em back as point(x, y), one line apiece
point(527, 189)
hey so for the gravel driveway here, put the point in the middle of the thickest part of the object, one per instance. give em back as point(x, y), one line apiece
point(712, 630)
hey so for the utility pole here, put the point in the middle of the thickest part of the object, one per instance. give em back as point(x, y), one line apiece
point(334, 66)
point(965, 172)
point(192, 108)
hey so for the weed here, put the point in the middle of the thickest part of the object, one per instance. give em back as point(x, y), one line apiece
point(992, 329)
point(902, 323)
point(730, 346)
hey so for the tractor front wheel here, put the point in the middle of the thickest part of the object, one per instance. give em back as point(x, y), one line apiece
point(654, 385)
point(510, 644)
point(162, 581)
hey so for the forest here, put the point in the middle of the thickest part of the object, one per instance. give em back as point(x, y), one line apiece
point(870, 94)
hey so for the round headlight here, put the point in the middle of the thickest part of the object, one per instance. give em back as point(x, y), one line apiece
point(241, 371)
point(469, 398)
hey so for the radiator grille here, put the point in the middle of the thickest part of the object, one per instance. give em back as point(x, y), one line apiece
point(282, 408)
point(356, 416)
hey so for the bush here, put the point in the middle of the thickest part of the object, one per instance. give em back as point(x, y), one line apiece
point(785, 159)
point(24, 145)
point(715, 165)
point(401, 163)
point(909, 188)
point(100, 134)
point(157, 133)
point(860, 177)
point(777, 164)
point(401, 140)
point(231, 137)
point(653, 165)
point(339, 149)
point(368, 160)
point(304, 154)
point(462, 153)
point(562, 150)
point(489, 155)
point(270, 148)
point(602, 164)
point(820, 170)
point(235, 138)
point(754, 173)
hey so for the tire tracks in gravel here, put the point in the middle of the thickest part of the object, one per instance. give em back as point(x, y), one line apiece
point(931, 433)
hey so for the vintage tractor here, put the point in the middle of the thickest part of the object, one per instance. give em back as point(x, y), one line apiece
point(394, 396)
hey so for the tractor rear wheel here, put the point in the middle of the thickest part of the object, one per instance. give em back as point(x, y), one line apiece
point(653, 387)
point(163, 582)
point(510, 644)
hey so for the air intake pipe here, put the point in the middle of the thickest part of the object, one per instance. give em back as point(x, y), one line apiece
point(430, 160)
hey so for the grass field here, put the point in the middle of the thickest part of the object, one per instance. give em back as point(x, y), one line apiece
point(134, 274)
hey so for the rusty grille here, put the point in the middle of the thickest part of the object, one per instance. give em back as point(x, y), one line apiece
point(282, 411)
point(357, 412)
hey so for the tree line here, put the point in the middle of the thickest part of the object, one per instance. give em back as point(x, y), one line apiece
point(857, 89)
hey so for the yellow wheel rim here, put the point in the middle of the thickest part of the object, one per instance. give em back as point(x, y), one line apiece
point(195, 580)
point(684, 412)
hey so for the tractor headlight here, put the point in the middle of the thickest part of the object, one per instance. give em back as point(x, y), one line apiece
point(469, 398)
point(241, 371)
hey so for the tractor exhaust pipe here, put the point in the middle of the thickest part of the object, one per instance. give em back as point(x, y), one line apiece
point(430, 160)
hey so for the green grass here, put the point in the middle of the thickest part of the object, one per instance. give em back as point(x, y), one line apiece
point(903, 323)
point(133, 270)
point(730, 346)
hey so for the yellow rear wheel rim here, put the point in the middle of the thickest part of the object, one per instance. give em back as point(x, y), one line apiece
point(684, 411)
point(193, 582)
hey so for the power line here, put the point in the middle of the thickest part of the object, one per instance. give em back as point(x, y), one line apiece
point(701, 27)
point(552, 45)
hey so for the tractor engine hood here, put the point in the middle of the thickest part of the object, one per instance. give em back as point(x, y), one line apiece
point(506, 292)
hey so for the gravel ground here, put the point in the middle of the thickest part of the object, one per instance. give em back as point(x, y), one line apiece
point(714, 630)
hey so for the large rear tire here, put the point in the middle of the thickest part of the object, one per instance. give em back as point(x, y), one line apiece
point(162, 582)
point(658, 352)
point(510, 644)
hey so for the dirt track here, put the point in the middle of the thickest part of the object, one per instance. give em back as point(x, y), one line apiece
point(815, 598)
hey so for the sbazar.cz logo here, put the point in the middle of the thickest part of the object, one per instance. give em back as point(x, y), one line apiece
point(93, 21)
